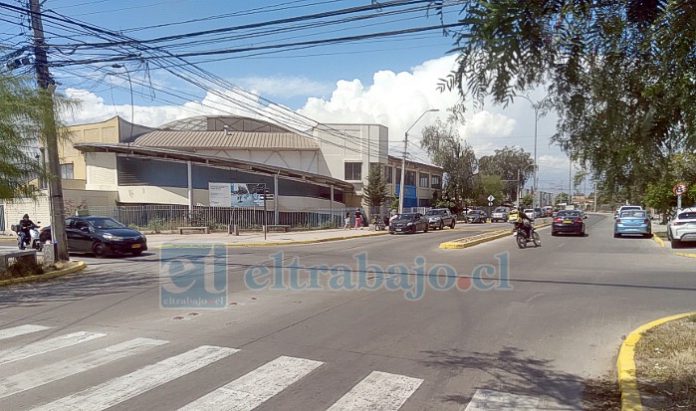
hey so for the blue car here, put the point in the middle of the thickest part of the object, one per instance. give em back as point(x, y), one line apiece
point(632, 222)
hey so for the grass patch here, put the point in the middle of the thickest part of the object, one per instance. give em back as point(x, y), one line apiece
point(22, 268)
point(666, 366)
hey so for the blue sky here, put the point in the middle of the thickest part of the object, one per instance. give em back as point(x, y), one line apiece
point(387, 80)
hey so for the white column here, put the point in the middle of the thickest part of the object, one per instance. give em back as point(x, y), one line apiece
point(190, 187)
point(275, 199)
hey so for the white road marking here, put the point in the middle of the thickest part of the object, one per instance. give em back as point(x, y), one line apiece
point(485, 400)
point(253, 389)
point(71, 366)
point(48, 345)
point(21, 330)
point(122, 388)
point(378, 391)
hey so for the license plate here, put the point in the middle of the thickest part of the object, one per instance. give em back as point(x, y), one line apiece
point(398, 229)
point(136, 246)
point(567, 222)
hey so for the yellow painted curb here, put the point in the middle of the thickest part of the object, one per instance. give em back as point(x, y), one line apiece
point(658, 240)
point(280, 243)
point(626, 365)
point(43, 277)
point(689, 255)
point(467, 242)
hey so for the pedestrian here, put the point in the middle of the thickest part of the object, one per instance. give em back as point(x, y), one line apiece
point(346, 226)
point(358, 219)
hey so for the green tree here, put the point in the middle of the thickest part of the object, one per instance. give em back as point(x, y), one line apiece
point(375, 192)
point(21, 119)
point(508, 163)
point(490, 185)
point(457, 159)
point(526, 201)
point(619, 74)
point(561, 198)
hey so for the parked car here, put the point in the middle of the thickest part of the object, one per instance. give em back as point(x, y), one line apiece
point(682, 228)
point(409, 223)
point(538, 213)
point(476, 216)
point(440, 217)
point(547, 211)
point(500, 214)
point(530, 213)
point(633, 221)
point(568, 222)
point(100, 236)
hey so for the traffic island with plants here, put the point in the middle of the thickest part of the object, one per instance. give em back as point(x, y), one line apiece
point(26, 270)
point(666, 366)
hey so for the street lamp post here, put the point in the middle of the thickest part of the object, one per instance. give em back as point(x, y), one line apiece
point(536, 106)
point(403, 160)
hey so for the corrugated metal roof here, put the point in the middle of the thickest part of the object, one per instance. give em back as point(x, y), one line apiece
point(226, 140)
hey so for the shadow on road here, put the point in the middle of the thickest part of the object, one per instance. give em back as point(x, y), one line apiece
point(511, 372)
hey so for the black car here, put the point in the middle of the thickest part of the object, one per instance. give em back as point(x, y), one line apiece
point(409, 223)
point(100, 236)
point(569, 221)
point(476, 216)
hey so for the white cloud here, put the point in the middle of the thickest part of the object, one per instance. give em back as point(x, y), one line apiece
point(283, 86)
point(553, 162)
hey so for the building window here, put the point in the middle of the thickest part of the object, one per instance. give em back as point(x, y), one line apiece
point(388, 174)
point(424, 180)
point(398, 175)
point(410, 178)
point(67, 172)
point(436, 182)
point(353, 171)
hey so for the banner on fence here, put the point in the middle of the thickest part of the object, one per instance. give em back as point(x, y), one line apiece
point(235, 195)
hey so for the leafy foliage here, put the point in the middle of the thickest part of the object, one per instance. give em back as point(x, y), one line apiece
point(621, 75)
point(507, 163)
point(457, 159)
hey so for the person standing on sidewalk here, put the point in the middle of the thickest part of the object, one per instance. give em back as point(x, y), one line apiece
point(346, 225)
point(358, 219)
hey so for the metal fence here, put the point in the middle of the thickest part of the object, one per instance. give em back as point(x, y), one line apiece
point(170, 217)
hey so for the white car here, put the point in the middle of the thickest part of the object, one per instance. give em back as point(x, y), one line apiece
point(530, 213)
point(682, 227)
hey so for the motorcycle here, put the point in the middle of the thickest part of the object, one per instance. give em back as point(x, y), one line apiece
point(32, 241)
point(522, 239)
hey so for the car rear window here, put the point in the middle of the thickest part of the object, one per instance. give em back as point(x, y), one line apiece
point(633, 213)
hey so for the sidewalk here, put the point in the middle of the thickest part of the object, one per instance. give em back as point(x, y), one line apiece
point(256, 239)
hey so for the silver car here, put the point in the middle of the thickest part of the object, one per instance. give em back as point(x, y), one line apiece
point(682, 228)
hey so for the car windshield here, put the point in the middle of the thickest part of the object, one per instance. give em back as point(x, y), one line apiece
point(633, 213)
point(406, 217)
point(436, 212)
point(104, 223)
point(691, 215)
point(500, 210)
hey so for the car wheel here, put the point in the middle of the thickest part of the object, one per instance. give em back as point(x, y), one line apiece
point(675, 243)
point(136, 252)
point(554, 234)
point(617, 235)
point(426, 228)
point(453, 224)
point(99, 250)
point(442, 225)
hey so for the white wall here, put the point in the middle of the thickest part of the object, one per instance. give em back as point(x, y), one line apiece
point(101, 171)
point(38, 210)
point(365, 143)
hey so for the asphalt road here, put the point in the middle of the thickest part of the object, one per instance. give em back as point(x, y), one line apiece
point(526, 334)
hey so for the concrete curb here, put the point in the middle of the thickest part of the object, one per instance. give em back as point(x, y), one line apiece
point(43, 277)
point(281, 243)
point(688, 255)
point(481, 238)
point(658, 240)
point(626, 365)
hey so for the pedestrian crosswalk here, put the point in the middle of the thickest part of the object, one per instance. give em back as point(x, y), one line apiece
point(29, 370)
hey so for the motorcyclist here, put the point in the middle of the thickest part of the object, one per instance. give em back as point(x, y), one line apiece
point(524, 222)
point(23, 229)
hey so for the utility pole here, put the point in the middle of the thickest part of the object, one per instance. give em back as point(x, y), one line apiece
point(50, 134)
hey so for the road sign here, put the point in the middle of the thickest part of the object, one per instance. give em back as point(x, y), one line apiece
point(491, 198)
point(490, 204)
point(679, 189)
